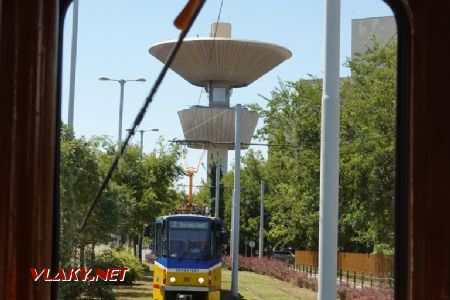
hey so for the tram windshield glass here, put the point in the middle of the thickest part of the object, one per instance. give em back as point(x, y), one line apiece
point(189, 239)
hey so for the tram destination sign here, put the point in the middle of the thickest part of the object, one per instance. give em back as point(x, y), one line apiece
point(178, 224)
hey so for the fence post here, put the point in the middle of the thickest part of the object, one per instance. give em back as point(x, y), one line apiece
point(380, 282)
point(354, 279)
point(310, 270)
point(362, 280)
point(340, 276)
point(371, 280)
point(390, 279)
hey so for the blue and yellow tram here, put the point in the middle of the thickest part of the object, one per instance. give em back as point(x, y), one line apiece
point(188, 251)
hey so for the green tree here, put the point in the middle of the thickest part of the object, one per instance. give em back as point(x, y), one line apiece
point(292, 126)
point(252, 172)
point(292, 129)
point(368, 151)
point(79, 180)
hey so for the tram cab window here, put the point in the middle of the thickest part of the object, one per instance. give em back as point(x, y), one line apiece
point(189, 239)
point(164, 240)
point(161, 240)
point(158, 240)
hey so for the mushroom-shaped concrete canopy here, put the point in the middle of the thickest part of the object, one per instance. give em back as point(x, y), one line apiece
point(223, 61)
point(213, 128)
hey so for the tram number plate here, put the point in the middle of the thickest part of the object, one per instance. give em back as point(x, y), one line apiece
point(187, 279)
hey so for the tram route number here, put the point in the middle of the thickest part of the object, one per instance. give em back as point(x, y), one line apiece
point(187, 279)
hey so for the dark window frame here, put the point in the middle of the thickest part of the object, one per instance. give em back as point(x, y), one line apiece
point(402, 153)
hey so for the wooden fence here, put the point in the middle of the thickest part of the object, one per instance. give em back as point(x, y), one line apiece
point(352, 262)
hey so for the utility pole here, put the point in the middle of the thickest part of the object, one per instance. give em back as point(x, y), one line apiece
point(329, 155)
point(261, 222)
point(235, 218)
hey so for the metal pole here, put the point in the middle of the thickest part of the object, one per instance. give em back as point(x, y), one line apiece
point(236, 202)
point(119, 140)
point(261, 222)
point(216, 209)
point(142, 141)
point(73, 63)
point(191, 177)
point(329, 155)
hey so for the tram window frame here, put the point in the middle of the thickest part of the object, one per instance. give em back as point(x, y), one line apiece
point(212, 240)
point(215, 240)
point(218, 240)
point(401, 199)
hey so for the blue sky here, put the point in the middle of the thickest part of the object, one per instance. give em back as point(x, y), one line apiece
point(114, 37)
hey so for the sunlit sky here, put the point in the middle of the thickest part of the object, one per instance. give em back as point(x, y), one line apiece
point(113, 41)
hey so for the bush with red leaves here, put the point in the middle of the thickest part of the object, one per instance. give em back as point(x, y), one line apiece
point(275, 268)
point(347, 293)
point(280, 270)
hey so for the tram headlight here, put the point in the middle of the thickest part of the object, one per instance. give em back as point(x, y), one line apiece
point(201, 280)
point(172, 279)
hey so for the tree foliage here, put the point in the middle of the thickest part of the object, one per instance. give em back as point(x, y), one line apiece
point(292, 169)
point(139, 191)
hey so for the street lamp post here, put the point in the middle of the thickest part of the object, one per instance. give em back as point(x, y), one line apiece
point(142, 137)
point(122, 85)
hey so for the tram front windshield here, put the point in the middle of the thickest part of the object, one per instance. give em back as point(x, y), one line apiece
point(189, 239)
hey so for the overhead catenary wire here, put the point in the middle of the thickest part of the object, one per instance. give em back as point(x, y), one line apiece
point(184, 22)
point(211, 186)
point(186, 142)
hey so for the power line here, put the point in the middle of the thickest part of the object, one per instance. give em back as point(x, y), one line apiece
point(204, 142)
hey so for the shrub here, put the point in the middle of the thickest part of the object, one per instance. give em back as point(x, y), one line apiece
point(101, 289)
point(280, 270)
point(121, 259)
